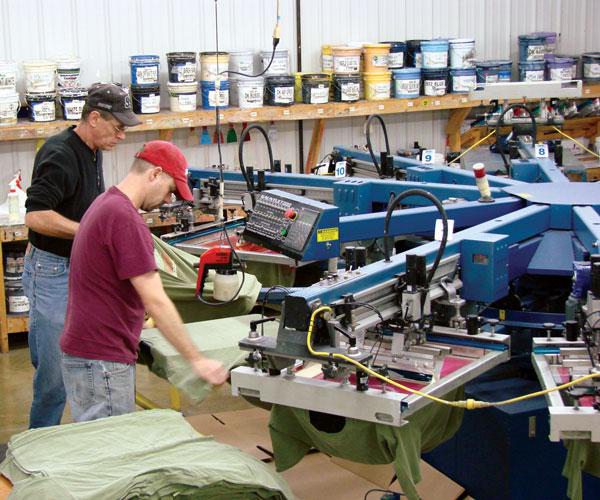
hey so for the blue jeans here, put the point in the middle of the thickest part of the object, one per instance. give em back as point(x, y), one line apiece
point(98, 389)
point(45, 281)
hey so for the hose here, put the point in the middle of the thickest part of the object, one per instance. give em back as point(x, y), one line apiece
point(250, 185)
point(369, 146)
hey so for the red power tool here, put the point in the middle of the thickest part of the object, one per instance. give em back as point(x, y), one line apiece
point(219, 258)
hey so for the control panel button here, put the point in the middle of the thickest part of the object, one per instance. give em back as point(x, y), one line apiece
point(283, 231)
point(291, 214)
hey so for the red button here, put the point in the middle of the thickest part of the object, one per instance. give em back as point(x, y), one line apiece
point(291, 214)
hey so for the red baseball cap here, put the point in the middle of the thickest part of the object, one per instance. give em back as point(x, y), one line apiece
point(170, 158)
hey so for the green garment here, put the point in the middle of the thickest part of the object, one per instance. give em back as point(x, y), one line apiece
point(150, 454)
point(272, 274)
point(293, 434)
point(179, 277)
point(582, 455)
point(217, 339)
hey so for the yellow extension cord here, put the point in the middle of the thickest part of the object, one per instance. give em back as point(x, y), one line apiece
point(469, 404)
point(473, 146)
point(576, 142)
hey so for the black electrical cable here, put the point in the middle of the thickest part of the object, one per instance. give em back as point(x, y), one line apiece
point(369, 145)
point(243, 135)
point(368, 306)
point(501, 123)
point(439, 206)
point(377, 490)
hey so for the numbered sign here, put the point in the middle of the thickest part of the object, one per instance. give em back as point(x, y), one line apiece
point(541, 150)
point(428, 156)
point(340, 169)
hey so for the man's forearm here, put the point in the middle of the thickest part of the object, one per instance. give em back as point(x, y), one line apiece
point(51, 223)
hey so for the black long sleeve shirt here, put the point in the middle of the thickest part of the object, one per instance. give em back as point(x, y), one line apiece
point(67, 177)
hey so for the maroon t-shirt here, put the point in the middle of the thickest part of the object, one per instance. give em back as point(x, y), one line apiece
point(104, 312)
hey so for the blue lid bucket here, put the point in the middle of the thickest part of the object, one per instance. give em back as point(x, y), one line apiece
point(397, 54)
point(144, 70)
point(549, 38)
point(591, 66)
point(407, 83)
point(41, 106)
point(487, 71)
point(145, 99)
point(560, 68)
point(504, 69)
point(462, 53)
point(462, 80)
point(71, 102)
point(414, 58)
point(435, 54)
point(531, 47)
point(532, 71)
point(213, 98)
point(182, 67)
point(435, 81)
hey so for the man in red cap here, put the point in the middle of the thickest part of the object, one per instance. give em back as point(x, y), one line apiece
point(113, 281)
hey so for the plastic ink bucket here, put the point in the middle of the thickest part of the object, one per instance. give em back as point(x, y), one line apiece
point(146, 99)
point(435, 54)
point(280, 64)
point(397, 54)
point(40, 76)
point(71, 102)
point(462, 80)
point(591, 66)
point(326, 59)
point(435, 81)
point(212, 97)
point(462, 53)
point(247, 93)
point(279, 90)
point(144, 70)
point(8, 76)
point(41, 106)
point(504, 70)
point(9, 108)
point(531, 47)
point(407, 83)
point(532, 71)
point(68, 70)
point(182, 67)
point(16, 300)
point(315, 88)
point(213, 66)
point(560, 68)
point(183, 96)
point(549, 38)
point(487, 71)
point(377, 85)
point(414, 58)
point(376, 57)
point(346, 60)
point(346, 88)
point(241, 61)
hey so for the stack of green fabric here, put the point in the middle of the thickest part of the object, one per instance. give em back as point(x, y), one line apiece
point(582, 455)
point(293, 434)
point(149, 454)
point(217, 339)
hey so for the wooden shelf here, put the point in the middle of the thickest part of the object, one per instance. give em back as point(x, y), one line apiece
point(17, 322)
point(167, 120)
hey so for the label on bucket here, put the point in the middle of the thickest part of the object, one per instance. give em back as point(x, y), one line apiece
point(283, 95)
point(68, 79)
point(8, 78)
point(18, 304)
point(408, 87)
point(535, 52)
point(418, 60)
point(73, 109)
point(350, 91)
point(251, 97)
point(396, 59)
point(435, 59)
point(186, 73)
point(434, 87)
point(534, 75)
point(146, 75)
point(43, 111)
point(591, 70)
point(558, 74)
point(380, 60)
point(378, 91)
point(464, 83)
point(9, 108)
point(491, 78)
point(278, 67)
point(327, 62)
point(319, 95)
point(210, 71)
point(40, 81)
point(150, 104)
point(187, 102)
point(218, 98)
point(346, 64)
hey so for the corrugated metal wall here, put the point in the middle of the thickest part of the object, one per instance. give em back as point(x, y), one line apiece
point(106, 32)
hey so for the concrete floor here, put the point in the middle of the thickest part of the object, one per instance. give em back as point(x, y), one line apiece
point(16, 375)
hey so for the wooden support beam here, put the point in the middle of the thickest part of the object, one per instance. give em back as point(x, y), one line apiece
point(457, 117)
point(315, 145)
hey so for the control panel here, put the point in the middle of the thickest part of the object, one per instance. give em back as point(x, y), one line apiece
point(295, 226)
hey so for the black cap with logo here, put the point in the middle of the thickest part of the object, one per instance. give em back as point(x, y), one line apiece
point(113, 99)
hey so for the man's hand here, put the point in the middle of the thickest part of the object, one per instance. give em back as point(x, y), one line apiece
point(210, 370)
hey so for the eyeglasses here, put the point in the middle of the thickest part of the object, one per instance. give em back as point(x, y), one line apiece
point(118, 129)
